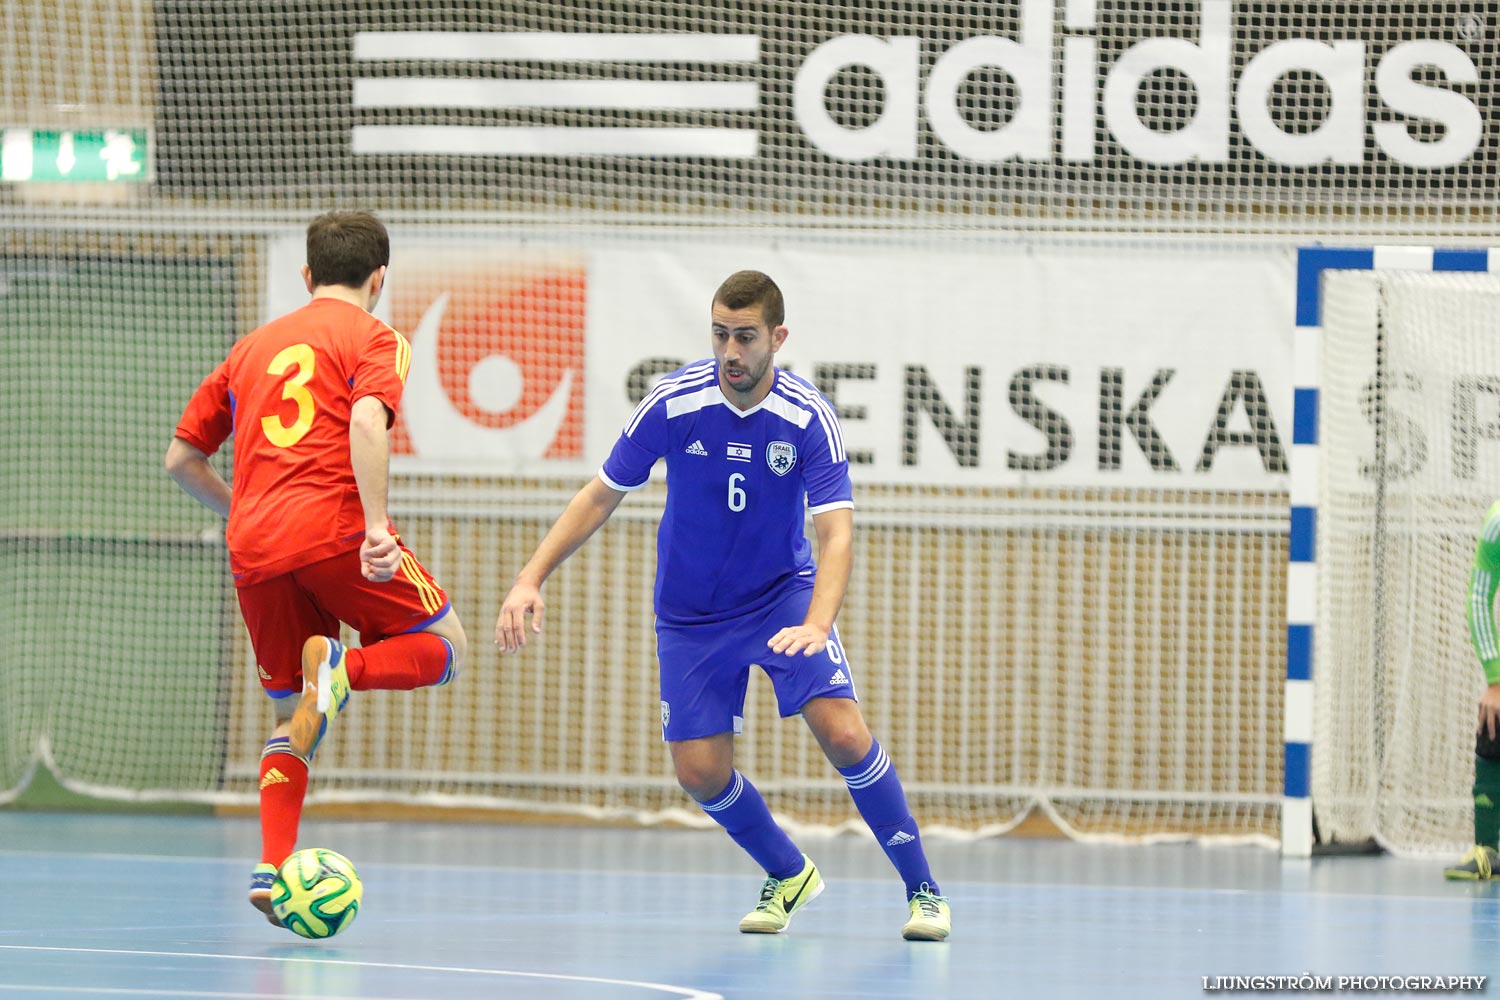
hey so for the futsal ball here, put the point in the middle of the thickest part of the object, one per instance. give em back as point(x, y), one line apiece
point(316, 893)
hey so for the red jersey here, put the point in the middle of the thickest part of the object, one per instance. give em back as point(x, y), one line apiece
point(285, 392)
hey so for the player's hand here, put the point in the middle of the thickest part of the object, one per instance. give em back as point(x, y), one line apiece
point(1489, 711)
point(808, 639)
point(510, 630)
point(379, 555)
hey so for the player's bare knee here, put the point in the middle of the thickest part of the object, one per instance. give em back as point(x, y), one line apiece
point(283, 705)
point(701, 790)
point(702, 783)
point(846, 745)
point(451, 631)
point(459, 643)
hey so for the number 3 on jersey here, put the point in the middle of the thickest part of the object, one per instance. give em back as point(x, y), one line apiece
point(295, 389)
point(736, 495)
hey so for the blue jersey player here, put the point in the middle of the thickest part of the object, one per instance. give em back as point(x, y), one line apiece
point(750, 451)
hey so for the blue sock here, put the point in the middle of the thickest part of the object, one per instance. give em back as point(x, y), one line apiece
point(741, 811)
point(878, 795)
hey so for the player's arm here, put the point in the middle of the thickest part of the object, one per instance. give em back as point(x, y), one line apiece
point(190, 468)
point(1484, 580)
point(206, 424)
point(584, 515)
point(370, 456)
point(835, 531)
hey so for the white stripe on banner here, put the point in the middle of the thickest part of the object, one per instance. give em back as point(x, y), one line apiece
point(555, 46)
point(415, 92)
point(481, 140)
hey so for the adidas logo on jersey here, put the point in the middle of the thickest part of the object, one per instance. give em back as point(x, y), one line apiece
point(273, 777)
point(262, 671)
point(696, 448)
point(901, 837)
point(839, 677)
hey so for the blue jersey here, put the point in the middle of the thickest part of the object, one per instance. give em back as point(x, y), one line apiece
point(739, 487)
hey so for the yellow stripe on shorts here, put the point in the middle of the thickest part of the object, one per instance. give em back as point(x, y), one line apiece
point(431, 598)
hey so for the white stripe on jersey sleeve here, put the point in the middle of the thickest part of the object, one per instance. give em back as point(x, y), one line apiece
point(616, 486)
point(826, 416)
point(1482, 616)
point(694, 375)
point(692, 402)
point(787, 410)
point(835, 505)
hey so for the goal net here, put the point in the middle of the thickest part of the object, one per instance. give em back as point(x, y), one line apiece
point(1078, 613)
point(1109, 659)
point(1410, 420)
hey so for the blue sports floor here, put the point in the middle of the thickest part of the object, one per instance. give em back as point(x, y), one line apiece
point(144, 906)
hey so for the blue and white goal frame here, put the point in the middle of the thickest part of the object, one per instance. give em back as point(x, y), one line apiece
point(1302, 568)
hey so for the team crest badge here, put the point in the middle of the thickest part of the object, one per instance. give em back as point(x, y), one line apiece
point(781, 456)
point(666, 714)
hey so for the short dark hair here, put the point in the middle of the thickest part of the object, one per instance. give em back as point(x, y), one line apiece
point(744, 289)
point(346, 247)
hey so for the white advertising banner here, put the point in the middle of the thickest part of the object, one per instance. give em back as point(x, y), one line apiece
point(1077, 366)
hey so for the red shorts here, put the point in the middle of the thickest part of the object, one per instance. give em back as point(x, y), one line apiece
point(282, 612)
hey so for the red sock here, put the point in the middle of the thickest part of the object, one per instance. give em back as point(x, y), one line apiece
point(283, 785)
point(400, 663)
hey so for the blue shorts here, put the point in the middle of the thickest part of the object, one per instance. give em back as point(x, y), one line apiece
point(705, 669)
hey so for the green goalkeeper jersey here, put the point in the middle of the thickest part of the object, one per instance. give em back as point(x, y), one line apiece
point(1483, 581)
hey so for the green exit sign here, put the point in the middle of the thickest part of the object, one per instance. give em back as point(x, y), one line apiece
point(93, 155)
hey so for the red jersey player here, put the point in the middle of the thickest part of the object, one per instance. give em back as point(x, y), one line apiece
point(310, 398)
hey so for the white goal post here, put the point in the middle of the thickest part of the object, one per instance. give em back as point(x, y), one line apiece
point(1397, 362)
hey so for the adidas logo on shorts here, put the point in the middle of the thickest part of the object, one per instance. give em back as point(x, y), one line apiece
point(901, 837)
point(839, 677)
point(696, 448)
